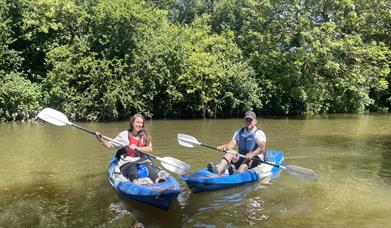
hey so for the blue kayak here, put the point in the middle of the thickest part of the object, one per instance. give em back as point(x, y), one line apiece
point(203, 180)
point(160, 195)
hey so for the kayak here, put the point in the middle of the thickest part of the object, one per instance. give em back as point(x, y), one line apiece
point(203, 180)
point(160, 195)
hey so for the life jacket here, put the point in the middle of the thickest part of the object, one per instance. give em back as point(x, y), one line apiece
point(247, 142)
point(138, 141)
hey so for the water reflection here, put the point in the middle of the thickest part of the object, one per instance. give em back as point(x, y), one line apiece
point(44, 202)
point(121, 212)
point(148, 216)
point(56, 177)
point(385, 167)
point(364, 155)
point(254, 210)
point(220, 207)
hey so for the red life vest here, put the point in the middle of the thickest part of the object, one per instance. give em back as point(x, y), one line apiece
point(133, 140)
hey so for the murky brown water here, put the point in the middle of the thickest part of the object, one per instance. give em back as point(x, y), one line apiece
point(56, 176)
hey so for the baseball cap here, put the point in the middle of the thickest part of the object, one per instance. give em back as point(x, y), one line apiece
point(250, 115)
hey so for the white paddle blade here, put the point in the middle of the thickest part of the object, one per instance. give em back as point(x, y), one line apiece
point(187, 140)
point(302, 173)
point(54, 117)
point(174, 165)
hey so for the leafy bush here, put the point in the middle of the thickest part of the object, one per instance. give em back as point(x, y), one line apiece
point(19, 98)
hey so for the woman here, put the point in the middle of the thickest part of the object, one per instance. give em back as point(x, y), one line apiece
point(138, 141)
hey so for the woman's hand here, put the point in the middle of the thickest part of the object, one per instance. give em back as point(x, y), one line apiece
point(98, 136)
point(100, 139)
point(133, 147)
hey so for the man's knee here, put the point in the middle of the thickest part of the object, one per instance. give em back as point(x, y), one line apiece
point(234, 158)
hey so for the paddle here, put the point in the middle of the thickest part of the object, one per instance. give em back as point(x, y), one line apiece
point(57, 118)
point(302, 173)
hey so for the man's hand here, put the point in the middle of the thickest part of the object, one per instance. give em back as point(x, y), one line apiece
point(250, 155)
point(222, 148)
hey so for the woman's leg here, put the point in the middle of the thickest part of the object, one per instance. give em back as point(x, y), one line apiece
point(129, 170)
point(152, 171)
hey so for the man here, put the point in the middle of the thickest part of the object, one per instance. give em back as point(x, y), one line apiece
point(251, 142)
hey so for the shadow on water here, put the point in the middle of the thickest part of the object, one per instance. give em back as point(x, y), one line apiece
point(149, 216)
point(196, 209)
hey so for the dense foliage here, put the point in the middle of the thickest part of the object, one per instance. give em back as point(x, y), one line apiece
point(106, 59)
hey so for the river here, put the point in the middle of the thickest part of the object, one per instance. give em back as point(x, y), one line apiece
point(54, 176)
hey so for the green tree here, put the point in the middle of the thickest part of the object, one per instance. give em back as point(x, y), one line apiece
point(309, 56)
point(93, 78)
point(188, 71)
point(217, 79)
point(40, 26)
point(104, 60)
point(19, 98)
point(10, 59)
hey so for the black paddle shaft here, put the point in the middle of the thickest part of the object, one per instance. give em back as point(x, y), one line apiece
point(83, 129)
point(240, 155)
point(93, 133)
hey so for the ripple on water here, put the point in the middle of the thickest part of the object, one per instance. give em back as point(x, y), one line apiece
point(122, 215)
point(255, 210)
